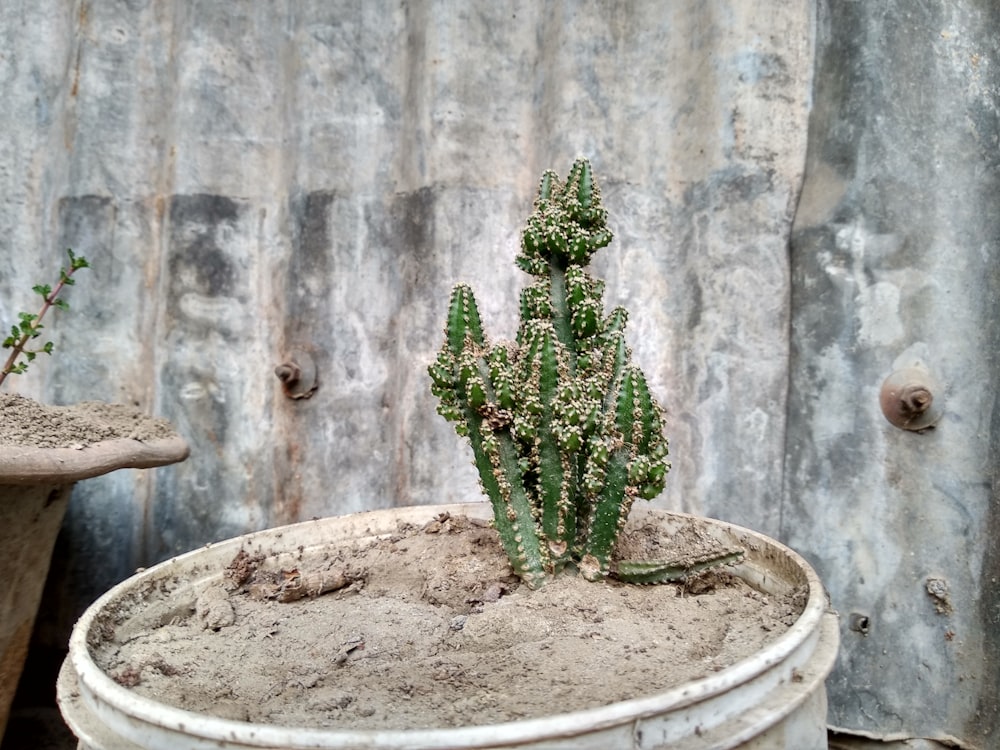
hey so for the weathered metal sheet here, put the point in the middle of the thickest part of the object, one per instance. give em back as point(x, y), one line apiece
point(896, 257)
point(253, 179)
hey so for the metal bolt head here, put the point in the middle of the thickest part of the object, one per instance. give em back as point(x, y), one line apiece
point(298, 375)
point(907, 398)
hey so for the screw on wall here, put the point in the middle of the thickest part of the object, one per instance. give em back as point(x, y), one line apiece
point(907, 398)
point(298, 374)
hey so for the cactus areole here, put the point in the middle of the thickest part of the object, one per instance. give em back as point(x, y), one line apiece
point(565, 432)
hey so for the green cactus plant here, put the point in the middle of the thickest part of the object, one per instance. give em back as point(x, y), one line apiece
point(563, 427)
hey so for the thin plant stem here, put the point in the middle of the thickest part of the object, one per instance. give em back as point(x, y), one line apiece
point(32, 325)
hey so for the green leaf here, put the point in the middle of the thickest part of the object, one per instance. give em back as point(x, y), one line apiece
point(76, 262)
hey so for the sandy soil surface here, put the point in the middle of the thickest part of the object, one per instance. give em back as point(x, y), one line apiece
point(429, 627)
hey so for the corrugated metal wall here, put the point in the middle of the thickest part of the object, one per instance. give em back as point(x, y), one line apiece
point(249, 179)
point(896, 257)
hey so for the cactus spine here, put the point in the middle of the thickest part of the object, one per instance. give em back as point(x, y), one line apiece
point(563, 427)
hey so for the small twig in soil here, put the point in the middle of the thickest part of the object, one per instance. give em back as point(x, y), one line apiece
point(294, 585)
point(355, 644)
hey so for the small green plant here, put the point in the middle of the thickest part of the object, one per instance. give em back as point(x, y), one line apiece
point(29, 325)
point(563, 427)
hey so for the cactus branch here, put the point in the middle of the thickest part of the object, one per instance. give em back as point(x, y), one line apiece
point(665, 572)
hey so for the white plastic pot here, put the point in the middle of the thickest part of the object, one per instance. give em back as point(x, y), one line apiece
point(774, 699)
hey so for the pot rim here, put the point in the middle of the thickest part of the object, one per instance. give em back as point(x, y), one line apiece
point(96, 686)
point(20, 464)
